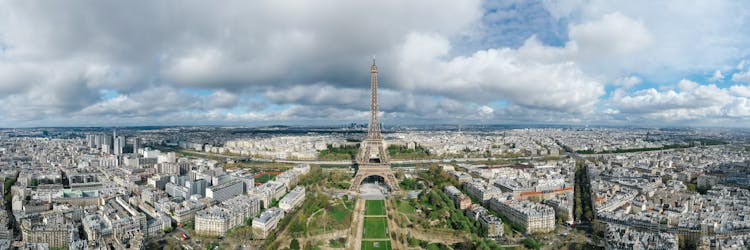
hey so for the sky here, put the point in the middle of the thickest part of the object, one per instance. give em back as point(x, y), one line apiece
point(141, 62)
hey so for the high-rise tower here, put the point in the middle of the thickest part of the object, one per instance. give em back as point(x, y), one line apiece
point(136, 146)
point(373, 131)
point(373, 158)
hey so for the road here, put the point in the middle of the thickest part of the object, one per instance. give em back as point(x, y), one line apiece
point(447, 160)
point(348, 162)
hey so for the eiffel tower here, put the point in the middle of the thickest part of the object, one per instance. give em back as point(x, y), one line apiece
point(373, 159)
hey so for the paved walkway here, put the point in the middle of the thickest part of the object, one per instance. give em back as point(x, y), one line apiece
point(371, 191)
point(358, 217)
point(326, 236)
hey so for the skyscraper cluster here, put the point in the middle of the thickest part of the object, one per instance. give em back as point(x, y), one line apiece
point(114, 144)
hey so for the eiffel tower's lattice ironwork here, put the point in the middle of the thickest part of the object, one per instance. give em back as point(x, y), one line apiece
point(373, 131)
point(373, 158)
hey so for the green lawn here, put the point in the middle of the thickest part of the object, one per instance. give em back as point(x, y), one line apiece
point(265, 178)
point(367, 245)
point(375, 207)
point(375, 228)
point(339, 212)
point(406, 208)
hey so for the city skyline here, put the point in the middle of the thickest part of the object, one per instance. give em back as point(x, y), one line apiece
point(288, 63)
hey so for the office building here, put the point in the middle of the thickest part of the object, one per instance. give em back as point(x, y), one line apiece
point(293, 199)
point(268, 220)
point(225, 191)
point(533, 217)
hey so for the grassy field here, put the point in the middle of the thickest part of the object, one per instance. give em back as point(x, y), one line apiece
point(335, 216)
point(405, 207)
point(375, 207)
point(375, 228)
point(265, 178)
point(346, 152)
point(376, 225)
point(382, 245)
point(340, 213)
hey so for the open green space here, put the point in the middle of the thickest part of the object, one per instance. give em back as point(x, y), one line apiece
point(337, 180)
point(7, 197)
point(343, 152)
point(403, 152)
point(437, 209)
point(265, 178)
point(339, 213)
point(375, 207)
point(381, 245)
point(375, 228)
point(405, 207)
point(411, 184)
point(583, 207)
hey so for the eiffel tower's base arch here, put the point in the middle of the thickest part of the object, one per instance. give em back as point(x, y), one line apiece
point(381, 170)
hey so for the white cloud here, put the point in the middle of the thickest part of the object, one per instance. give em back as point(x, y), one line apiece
point(613, 35)
point(610, 111)
point(67, 54)
point(740, 90)
point(741, 76)
point(628, 81)
point(687, 85)
point(652, 100)
point(717, 76)
point(326, 96)
point(221, 99)
point(160, 101)
point(739, 108)
point(515, 75)
point(693, 102)
point(486, 111)
point(742, 64)
point(676, 29)
point(60, 62)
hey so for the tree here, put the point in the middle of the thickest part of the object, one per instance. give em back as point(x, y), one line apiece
point(172, 244)
point(294, 244)
point(588, 215)
point(412, 241)
point(691, 187)
point(562, 218)
point(579, 210)
point(152, 244)
point(532, 244)
point(599, 228)
point(535, 198)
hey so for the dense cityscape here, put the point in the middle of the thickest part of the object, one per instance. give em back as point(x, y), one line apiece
point(144, 188)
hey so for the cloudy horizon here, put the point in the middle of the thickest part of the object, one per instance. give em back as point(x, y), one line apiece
point(634, 63)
